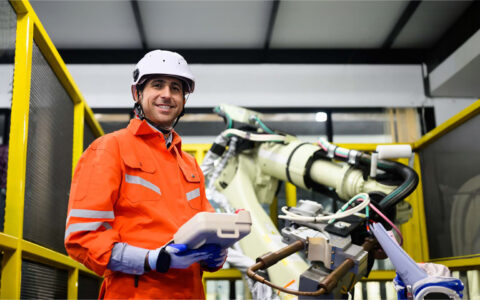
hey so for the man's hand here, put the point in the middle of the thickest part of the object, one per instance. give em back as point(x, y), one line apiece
point(217, 256)
point(182, 257)
point(178, 256)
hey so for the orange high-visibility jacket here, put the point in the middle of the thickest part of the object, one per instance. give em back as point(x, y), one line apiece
point(128, 187)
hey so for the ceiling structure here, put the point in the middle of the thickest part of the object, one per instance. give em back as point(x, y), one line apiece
point(266, 31)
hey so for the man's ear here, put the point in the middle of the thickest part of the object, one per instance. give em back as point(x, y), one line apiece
point(135, 93)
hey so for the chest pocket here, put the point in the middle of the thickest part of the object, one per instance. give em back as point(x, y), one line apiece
point(193, 188)
point(139, 178)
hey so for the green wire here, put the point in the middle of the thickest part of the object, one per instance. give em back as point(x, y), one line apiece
point(344, 207)
point(341, 152)
point(227, 116)
point(230, 122)
point(264, 127)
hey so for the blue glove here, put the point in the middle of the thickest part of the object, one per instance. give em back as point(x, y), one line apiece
point(175, 256)
point(402, 292)
point(217, 256)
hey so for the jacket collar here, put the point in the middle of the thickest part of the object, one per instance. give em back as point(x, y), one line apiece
point(141, 127)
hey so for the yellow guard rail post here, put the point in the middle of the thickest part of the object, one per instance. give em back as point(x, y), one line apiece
point(30, 30)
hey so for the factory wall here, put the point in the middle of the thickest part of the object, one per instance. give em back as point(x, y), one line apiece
point(270, 85)
point(266, 85)
point(445, 108)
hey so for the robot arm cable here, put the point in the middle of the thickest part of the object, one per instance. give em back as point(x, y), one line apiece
point(410, 181)
point(220, 144)
point(253, 136)
point(388, 221)
point(362, 197)
point(262, 125)
point(225, 115)
point(295, 217)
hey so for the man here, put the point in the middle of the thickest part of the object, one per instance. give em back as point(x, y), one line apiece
point(135, 187)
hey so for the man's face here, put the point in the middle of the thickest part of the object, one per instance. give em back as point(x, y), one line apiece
point(162, 100)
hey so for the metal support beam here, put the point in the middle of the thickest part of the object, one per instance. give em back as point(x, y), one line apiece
point(138, 20)
point(329, 125)
point(402, 21)
point(271, 23)
point(253, 56)
point(463, 29)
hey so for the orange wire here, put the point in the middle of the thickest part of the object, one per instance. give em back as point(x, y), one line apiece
point(287, 285)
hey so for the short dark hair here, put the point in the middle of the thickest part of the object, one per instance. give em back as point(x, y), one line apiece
point(141, 86)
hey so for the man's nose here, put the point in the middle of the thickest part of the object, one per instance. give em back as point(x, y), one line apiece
point(166, 92)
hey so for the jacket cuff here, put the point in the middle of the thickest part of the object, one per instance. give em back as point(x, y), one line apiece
point(127, 259)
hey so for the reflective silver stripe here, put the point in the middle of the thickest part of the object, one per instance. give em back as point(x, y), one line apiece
point(91, 226)
point(91, 214)
point(193, 194)
point(142, 182)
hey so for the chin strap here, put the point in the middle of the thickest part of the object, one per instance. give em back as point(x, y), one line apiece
point(179, 116)
point(138, 110)
point(183, 111)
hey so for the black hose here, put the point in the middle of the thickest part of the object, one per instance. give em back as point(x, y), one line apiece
point(410, 180)
point(409, 176)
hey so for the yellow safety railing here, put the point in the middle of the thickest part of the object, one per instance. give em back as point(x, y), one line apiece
point(15, 248)
point(452, 123)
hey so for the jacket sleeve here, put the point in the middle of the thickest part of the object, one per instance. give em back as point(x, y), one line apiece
point(89, 236)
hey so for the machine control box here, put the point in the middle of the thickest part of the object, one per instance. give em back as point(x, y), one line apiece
point(214, 228)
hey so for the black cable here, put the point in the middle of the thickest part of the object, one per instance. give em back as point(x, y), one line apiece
point(410, 180)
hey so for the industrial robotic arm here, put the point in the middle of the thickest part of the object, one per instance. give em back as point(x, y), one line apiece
point(243, 170)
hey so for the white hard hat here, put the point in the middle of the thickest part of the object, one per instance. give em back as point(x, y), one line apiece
point(162, 62)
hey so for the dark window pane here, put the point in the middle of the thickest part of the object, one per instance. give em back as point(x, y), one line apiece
point(88, 286)
point(49, 157)
point(43, 282)
point(451, 187)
